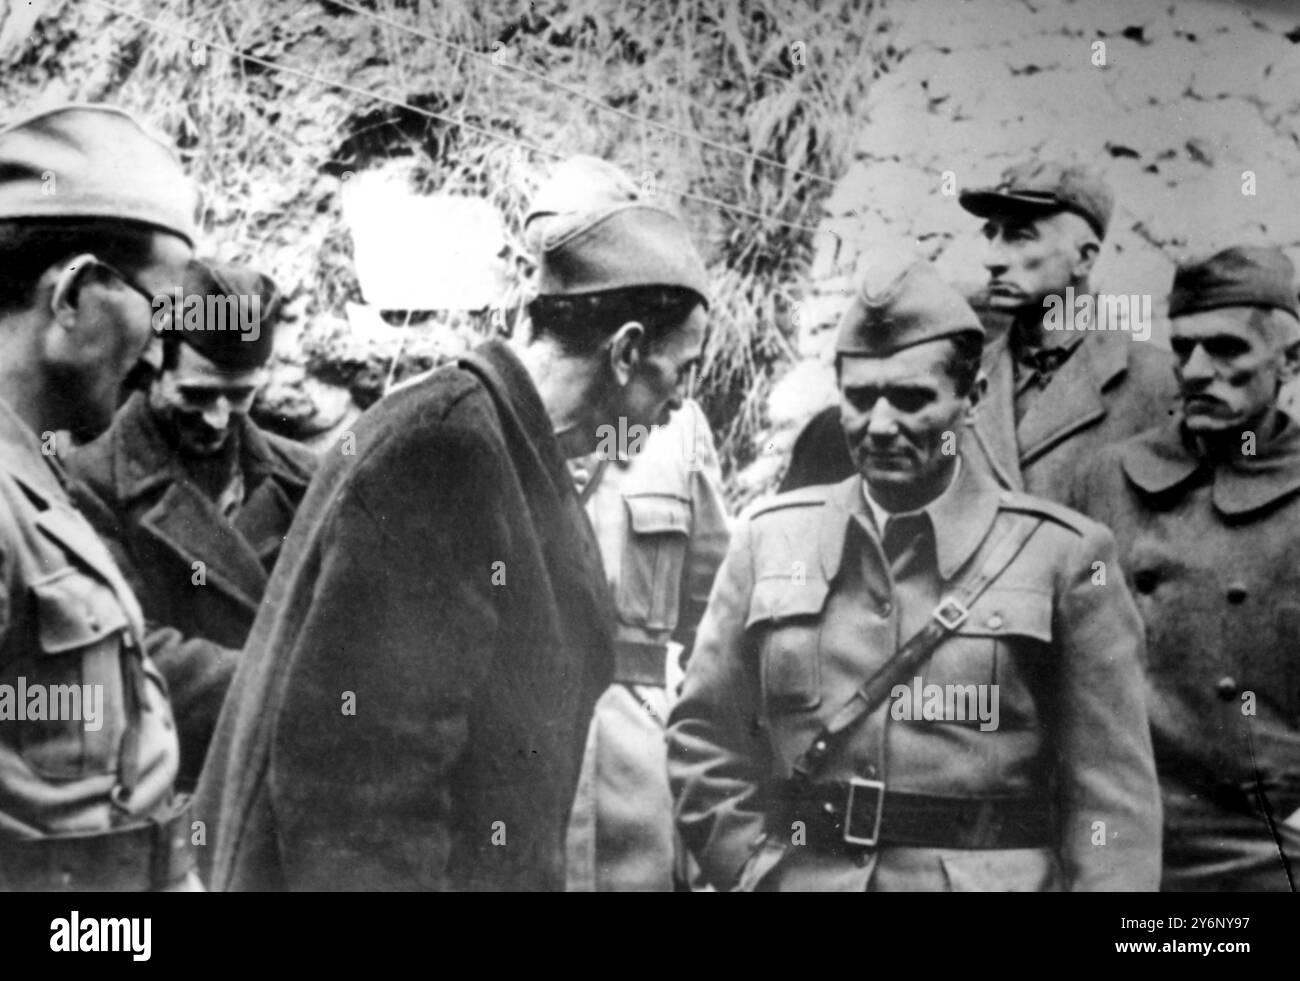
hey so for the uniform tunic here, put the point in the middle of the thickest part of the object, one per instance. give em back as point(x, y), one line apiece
point(67, 617)
point(806, 607)
point(662, 528)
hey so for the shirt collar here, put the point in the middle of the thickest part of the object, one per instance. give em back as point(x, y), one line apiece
point(881, 514)
point(961, 516)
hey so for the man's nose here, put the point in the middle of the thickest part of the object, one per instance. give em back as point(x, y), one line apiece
point(881, 421)
point(217, 413)
point(1199, 366)
point(995, 257)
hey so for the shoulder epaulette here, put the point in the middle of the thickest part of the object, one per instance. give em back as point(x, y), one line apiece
point(803, 497)
point(1028, 504)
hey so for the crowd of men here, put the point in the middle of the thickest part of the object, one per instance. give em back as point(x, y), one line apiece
point(1023, 616)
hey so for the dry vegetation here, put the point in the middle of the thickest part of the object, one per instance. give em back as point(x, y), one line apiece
point(271, 148)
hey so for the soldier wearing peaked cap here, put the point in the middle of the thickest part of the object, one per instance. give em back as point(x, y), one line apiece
point(96, 218)
point(446, 576)
point(194, 496)
point(913, 679)
point(1206, 508)
point(1054, 394)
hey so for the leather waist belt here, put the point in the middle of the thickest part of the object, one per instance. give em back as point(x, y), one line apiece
point(636, 663)
point(144, 858)
point(840, 817)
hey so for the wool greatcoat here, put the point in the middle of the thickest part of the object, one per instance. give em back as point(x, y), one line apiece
point(199, 576)
point(1212, 552)
point(411, 706)
point(806, 608)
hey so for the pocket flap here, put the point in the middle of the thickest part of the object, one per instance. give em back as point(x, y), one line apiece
point(784, 597)
point(75, 610)
point(653, 514)
point(1010, 610)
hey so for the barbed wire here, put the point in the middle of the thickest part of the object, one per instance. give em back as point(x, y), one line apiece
point(430, 113)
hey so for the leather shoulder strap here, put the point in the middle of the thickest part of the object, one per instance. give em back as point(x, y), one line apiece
point(998, 552)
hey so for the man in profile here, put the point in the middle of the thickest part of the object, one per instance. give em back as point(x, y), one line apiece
point(411, 707)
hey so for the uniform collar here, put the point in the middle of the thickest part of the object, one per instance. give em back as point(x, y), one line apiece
point(1159, 460)
point(961, 516)
point(23, 458)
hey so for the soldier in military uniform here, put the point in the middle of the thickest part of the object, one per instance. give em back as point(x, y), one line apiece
point(196, 498)
point(1207, 508)
point(662, 528)
point(1053, 394)
point(655, 502)
point(96, 217)
point(798, 755)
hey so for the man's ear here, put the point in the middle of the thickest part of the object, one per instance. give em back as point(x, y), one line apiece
point(69, 277)
point(1290, 362)
point(1087, 248)
point(975, 397)
point(625, 351)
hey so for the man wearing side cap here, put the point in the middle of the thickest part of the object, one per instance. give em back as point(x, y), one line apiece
point(655, 503)
point(1207, 508)
point(411, 707)
point(1053, 394)
point(96, 218)
point(196, 496)
point(808, 751)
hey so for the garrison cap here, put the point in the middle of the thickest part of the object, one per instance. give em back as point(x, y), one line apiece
point(218, 318)
point(1240, 276)
point(893, 309)
point(1037, 188)
point(592, 229)
point(94, 161)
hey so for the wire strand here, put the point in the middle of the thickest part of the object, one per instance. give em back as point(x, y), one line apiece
point(429, 113)
point(578, 93)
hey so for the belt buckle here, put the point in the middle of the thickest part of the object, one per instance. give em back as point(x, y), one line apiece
point(953, 620)
point(874, 786)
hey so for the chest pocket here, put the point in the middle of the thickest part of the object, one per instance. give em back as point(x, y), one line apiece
point(80, 631)
point(998, 643)
point(786, 617)
point(650, 580)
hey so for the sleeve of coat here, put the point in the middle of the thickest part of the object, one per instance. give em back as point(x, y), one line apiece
point(718, 757)
point(710, 532)
point(393, 649)
point(1106, 778)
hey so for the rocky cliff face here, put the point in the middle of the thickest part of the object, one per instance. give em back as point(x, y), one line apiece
point(1189, 107)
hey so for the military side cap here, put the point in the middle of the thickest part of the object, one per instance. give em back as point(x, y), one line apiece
point(897, 308)
point(1241, 276)
point(219, 318)
point(593, 230)
point(1042, 187)
point(94, 161)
